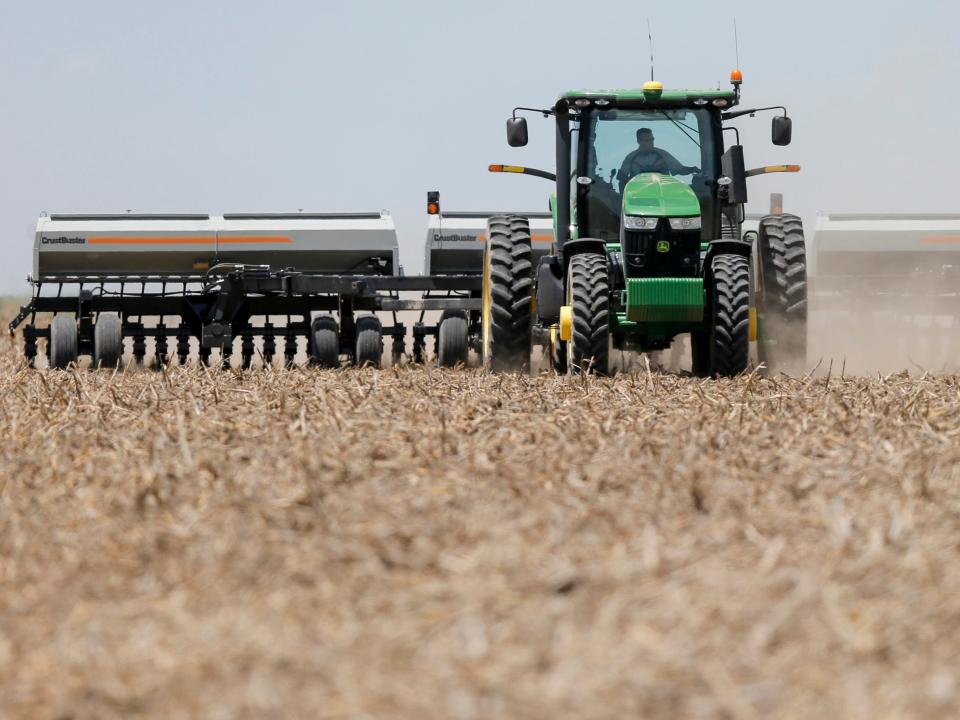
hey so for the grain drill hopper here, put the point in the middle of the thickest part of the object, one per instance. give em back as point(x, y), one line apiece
point(889, 281)
point(265, 284)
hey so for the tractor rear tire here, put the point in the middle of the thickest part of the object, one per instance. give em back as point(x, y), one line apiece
point(107, 341)
point(588, 294)
point(729, 315)
point(507, 294)
point(452, 340)
point(63, 341)
point(369, 350)
point(325, 342)
point(782, 306)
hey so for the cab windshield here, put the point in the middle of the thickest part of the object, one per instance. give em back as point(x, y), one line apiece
point(618, 144)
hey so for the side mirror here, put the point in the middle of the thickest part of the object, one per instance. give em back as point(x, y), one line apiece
point(782, 130)
point(517, 132)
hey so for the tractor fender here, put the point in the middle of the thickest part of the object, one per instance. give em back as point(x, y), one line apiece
point(728, 245)
point(582, 245)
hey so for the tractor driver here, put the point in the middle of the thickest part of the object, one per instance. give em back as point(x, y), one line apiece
point(647, 158)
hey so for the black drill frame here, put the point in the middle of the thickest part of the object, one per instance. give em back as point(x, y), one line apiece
point(218, 306)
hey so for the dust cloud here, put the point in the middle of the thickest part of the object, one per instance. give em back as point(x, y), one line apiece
point(887, 325)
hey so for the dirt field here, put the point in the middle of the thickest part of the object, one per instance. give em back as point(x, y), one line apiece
point(420, 544)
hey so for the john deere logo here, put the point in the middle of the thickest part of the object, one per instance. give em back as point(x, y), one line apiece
point(663, 246)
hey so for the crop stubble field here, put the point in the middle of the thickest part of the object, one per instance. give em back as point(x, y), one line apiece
point(422, 543)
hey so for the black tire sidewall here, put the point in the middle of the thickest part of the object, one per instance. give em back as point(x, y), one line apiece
point(107, 341)
point(452, 335)
point(325, 341)
point(732, 360)
point(593, 288)
point(63, 341)
point(508, 281)
point(369, 347)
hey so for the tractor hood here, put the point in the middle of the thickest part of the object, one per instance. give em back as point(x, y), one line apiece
point(659, 195)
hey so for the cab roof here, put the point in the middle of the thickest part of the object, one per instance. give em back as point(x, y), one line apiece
point(637, 95)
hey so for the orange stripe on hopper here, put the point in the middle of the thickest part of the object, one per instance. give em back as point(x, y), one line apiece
point(199, 240)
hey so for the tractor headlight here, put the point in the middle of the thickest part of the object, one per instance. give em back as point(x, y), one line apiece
point(635, 222)
point(687, 223)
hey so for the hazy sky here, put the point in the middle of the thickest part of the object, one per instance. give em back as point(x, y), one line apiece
point(232, 106)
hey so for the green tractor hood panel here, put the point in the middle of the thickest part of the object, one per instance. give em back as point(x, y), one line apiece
point(659, 195)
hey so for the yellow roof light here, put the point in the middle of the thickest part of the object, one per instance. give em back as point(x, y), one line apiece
point(652, 88)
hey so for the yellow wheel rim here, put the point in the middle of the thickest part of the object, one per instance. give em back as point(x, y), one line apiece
point(566, 322)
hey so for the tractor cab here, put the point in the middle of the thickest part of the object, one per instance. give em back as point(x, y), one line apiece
point(640, 156)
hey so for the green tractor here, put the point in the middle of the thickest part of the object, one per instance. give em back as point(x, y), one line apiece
point(648, 240)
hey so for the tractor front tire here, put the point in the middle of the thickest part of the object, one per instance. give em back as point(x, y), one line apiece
point(588, 294)
point(729, 315)
point(507, 294)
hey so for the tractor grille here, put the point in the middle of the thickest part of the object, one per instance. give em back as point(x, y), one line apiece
point(662, 253)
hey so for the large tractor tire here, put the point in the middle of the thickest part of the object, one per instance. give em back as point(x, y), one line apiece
point(107, 341)
point(452, 339)
point(507, 294)
point(369, 341)
point(782, 297)
point(588, 295)
point(729, 312)
point(325, 342)
point(63, 341)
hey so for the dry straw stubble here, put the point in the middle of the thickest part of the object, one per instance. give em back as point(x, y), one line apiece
point(418, 543)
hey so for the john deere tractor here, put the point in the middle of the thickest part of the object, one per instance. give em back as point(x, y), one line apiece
point(648, 240)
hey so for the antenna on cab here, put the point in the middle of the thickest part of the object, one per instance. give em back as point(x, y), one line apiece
point(736, 77)
point(650, 38)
